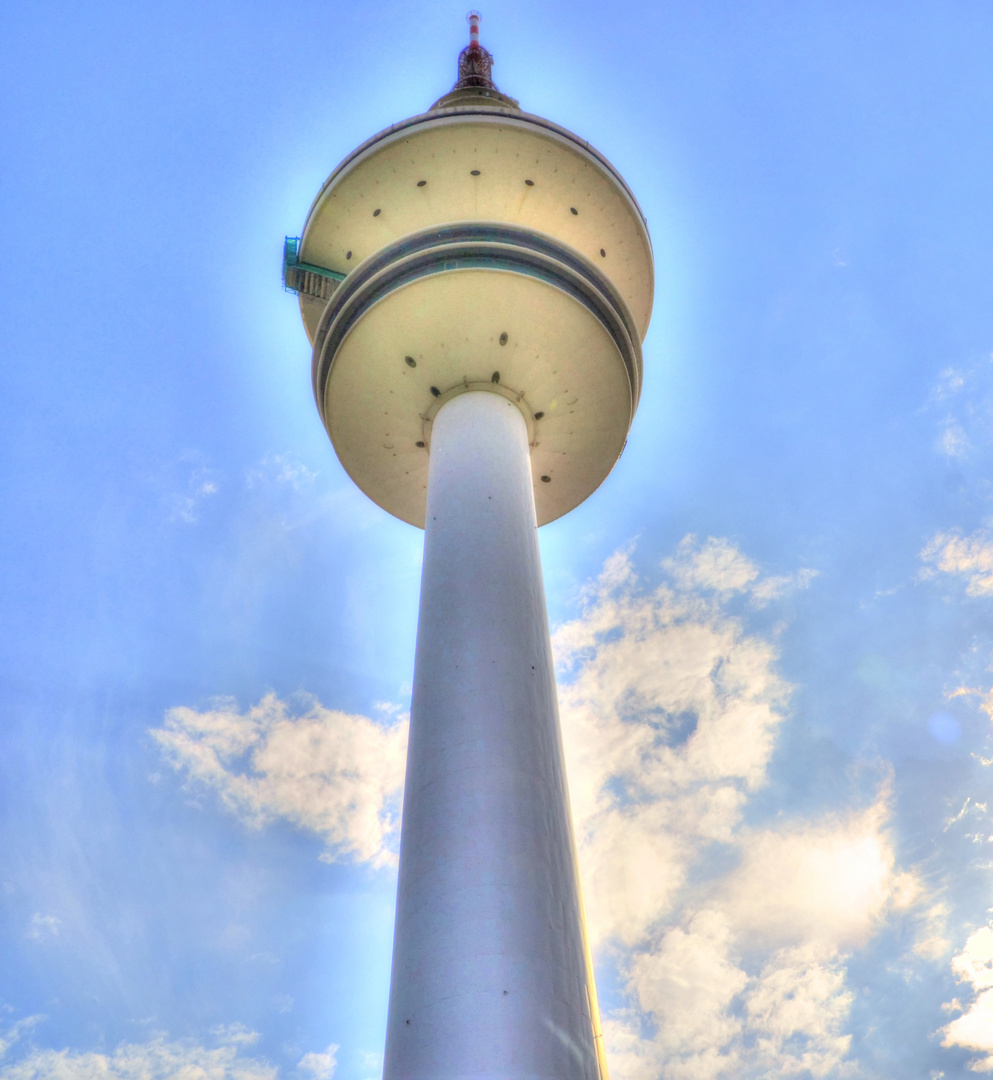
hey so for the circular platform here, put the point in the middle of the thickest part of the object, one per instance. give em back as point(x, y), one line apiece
point(481, 248)
point(477, 163)
point(471, 307)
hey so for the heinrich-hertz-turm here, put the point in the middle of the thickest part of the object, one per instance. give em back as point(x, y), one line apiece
point(476, 282)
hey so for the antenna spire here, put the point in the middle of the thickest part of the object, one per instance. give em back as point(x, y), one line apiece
point(475, 63)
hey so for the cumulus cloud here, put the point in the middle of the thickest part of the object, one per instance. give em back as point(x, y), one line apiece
point(969, 557)
point(731, 937)
point(157, 1059)
point(826, 882)
point(320, 1066)
point(687, 984)
point(798, 1006)
point(963, 397)
point(713, 1020)
point(280, 470)
point(717, 566)
point(953, 441)
point(201, 484)
point(10, 1034)
point(235, 1034)
point(931, 942)
point(973, 1030)
point(335, 774)
point(44, 927)
point(670, 711)
point(751, 977)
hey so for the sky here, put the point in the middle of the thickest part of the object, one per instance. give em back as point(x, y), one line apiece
point(773, 623)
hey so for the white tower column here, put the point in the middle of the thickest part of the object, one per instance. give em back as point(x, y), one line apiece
point(473, 278)
point(489, 959)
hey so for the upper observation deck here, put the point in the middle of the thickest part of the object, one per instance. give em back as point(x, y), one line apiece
point(475, 246)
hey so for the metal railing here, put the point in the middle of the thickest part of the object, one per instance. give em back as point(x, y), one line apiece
point(306, 278)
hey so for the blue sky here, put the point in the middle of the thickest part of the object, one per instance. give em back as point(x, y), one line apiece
point(773, 622)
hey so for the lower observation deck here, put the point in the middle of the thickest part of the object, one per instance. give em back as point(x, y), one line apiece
point(475, 306)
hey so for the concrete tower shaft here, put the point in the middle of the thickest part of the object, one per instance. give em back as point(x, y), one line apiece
point(490, 971)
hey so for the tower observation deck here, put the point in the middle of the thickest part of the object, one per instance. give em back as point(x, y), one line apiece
point(476, 282)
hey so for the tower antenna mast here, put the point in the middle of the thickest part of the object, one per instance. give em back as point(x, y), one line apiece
point(475, 63)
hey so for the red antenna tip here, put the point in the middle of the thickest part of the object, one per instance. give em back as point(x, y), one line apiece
point(475, 63)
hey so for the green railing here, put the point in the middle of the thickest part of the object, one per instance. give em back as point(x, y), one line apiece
point(295, 272)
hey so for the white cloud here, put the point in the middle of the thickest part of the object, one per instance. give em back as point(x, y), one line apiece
point(975, 963)
point(985, 696)
point(44, 927)
point(158, 1059)
point(200, 485)
point(335, 774)
point(950, 382)
point(799, 899)
point(715, 565)
point(973, 1030)
point(826, 882)
point(11, 1034)
point(234, 1034)
point(718, 566)
point(670, 713)
point(953, 441)
point(797, 1007)
point(715, 1021)
point(280, 469)
point(931, 942)
point(734, 966)
point(687, 984)
point(320, 1066)
point(965, 397)
point(970, 557)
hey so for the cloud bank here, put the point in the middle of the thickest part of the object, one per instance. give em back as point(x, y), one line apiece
point(973, 1029)
point(968, 557)
point(670, 712)
point(732, 937)
point(159, 1058)
point(331, 773)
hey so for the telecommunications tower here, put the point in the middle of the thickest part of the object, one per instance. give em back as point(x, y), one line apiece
point(476, 282)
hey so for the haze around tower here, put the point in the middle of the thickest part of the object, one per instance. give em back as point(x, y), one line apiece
point(772, 624)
